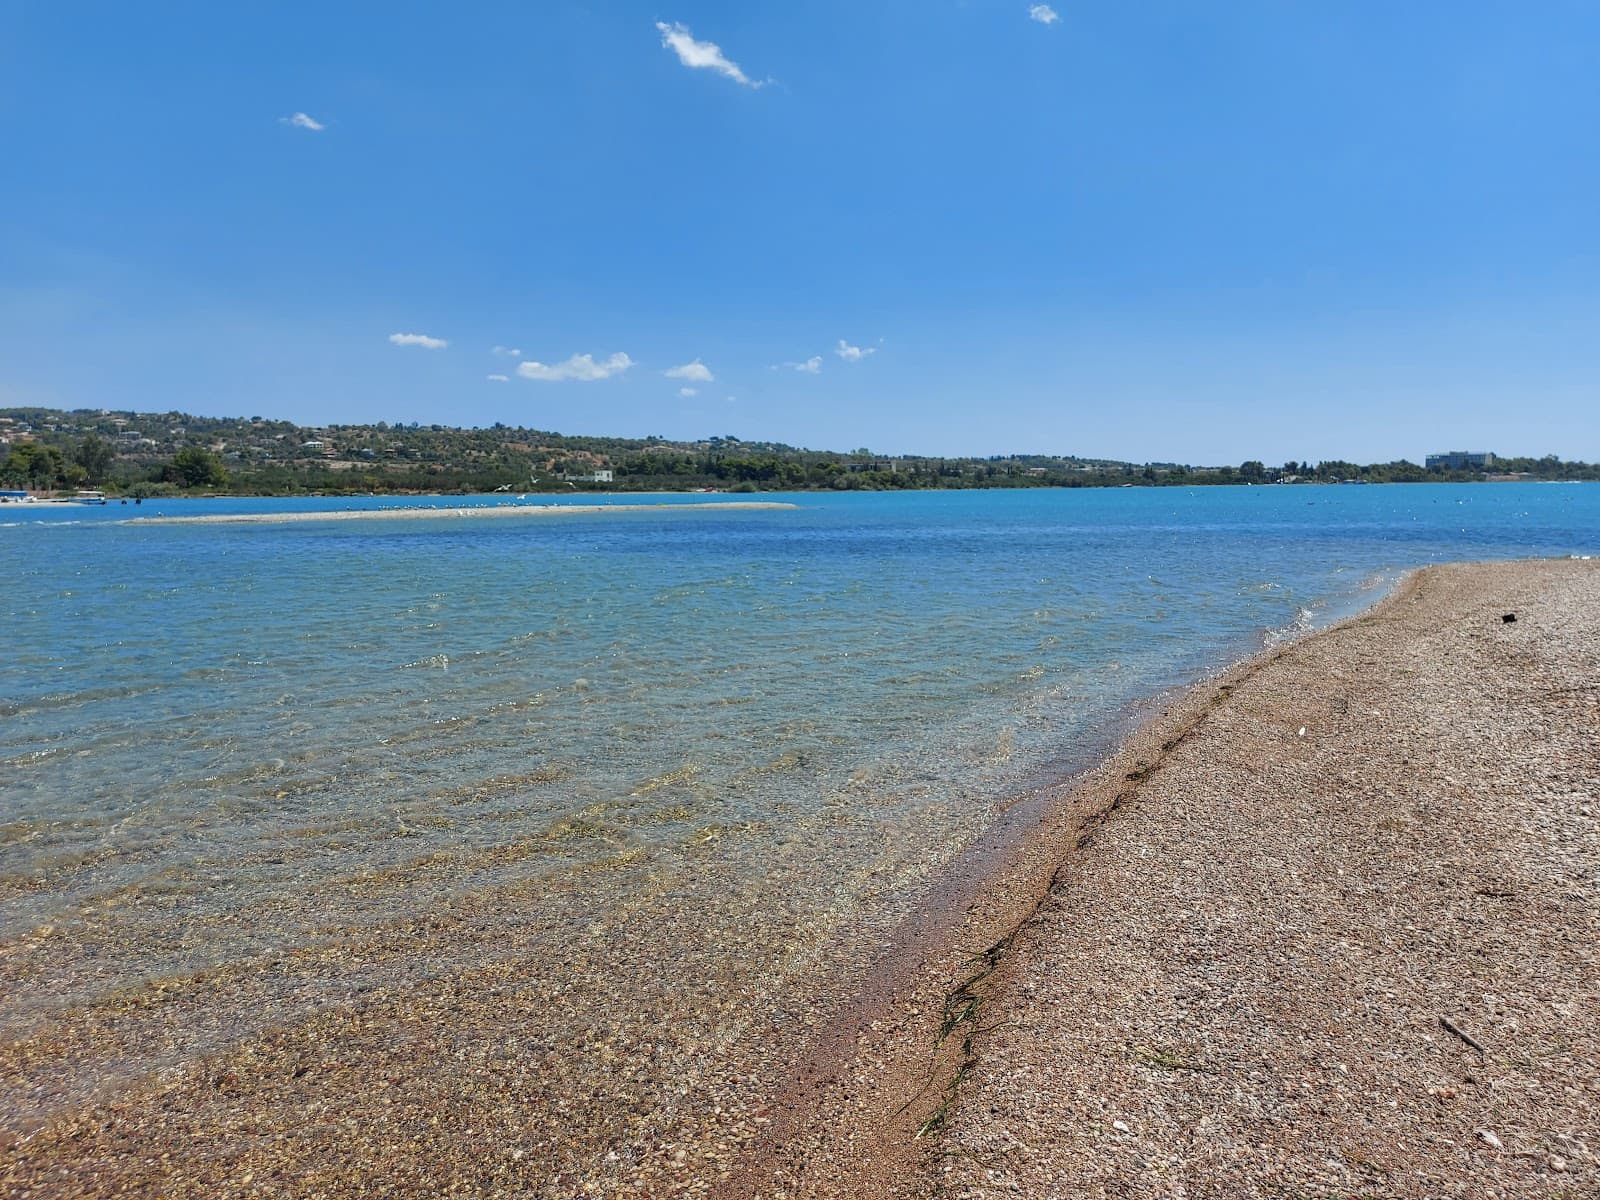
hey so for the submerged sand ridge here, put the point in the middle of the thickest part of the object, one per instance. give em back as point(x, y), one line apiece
point(1330, 929)
point(419, 513)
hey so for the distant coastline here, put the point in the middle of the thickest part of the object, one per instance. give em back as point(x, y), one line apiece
point(149, 455)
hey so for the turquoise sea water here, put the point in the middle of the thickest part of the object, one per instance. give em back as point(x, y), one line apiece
point(222, 742)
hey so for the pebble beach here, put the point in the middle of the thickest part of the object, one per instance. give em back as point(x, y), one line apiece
point(1328, 927)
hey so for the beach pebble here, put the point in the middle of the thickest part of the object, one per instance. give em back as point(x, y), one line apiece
point(1120, 1126)
point(1487, 1137)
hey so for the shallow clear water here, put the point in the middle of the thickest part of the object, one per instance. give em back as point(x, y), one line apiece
point(220, 742)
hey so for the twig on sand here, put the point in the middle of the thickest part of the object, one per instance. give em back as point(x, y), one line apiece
point(1168, 1060)
point(1465, 1037)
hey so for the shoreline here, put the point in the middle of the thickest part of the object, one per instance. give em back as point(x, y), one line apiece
point(49, 496)
point(1186, 485)
point(901, 1096)
point(893, 1024)
point(204, 1130)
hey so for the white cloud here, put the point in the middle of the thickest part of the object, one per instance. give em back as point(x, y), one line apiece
point(506, 352)
point(1044, 14)
point(811, 366)
point(677, 38)
point(686, 392)
point(853, 353)
point(418, 339)
point(696, 372)
point(499, 378)
point(581, 367)
point(301, 121)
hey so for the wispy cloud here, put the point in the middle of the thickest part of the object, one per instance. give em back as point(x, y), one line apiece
point(499, 378)
point(506, 352)
point(1044, 14)
point(686, 392)
point(580, 367)
point(707, 55)
point(811, 366)
point(418, 339)
point(301, 120)
point(853, 353)
point(696, 372)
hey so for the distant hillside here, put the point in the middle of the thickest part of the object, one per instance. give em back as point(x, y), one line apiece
point(151, 453)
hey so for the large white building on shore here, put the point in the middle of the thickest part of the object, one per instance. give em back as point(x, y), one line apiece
point(1460, 460)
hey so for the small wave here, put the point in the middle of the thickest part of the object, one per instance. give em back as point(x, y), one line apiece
point(10, 707)
point(442, 661)
point(1303, 623)
point(34, 757)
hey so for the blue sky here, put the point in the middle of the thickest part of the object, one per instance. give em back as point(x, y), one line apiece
point(1160, 230)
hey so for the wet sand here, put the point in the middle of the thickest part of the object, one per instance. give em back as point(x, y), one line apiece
point(1216, 968)
point(1328, 927)
point(414, 513)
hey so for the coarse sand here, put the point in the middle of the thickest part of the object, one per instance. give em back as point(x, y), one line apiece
point(1329, 927)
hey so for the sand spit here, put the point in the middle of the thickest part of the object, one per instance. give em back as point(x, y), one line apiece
point(412, 514)
point(1327, 928)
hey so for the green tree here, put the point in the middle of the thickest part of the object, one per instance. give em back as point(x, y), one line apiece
point(193, 467)
point(95, 455)
point(35, 465)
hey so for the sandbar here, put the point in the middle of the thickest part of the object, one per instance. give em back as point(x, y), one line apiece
point(422, 513)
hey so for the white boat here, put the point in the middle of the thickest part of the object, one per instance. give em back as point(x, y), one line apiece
point(89, 496)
